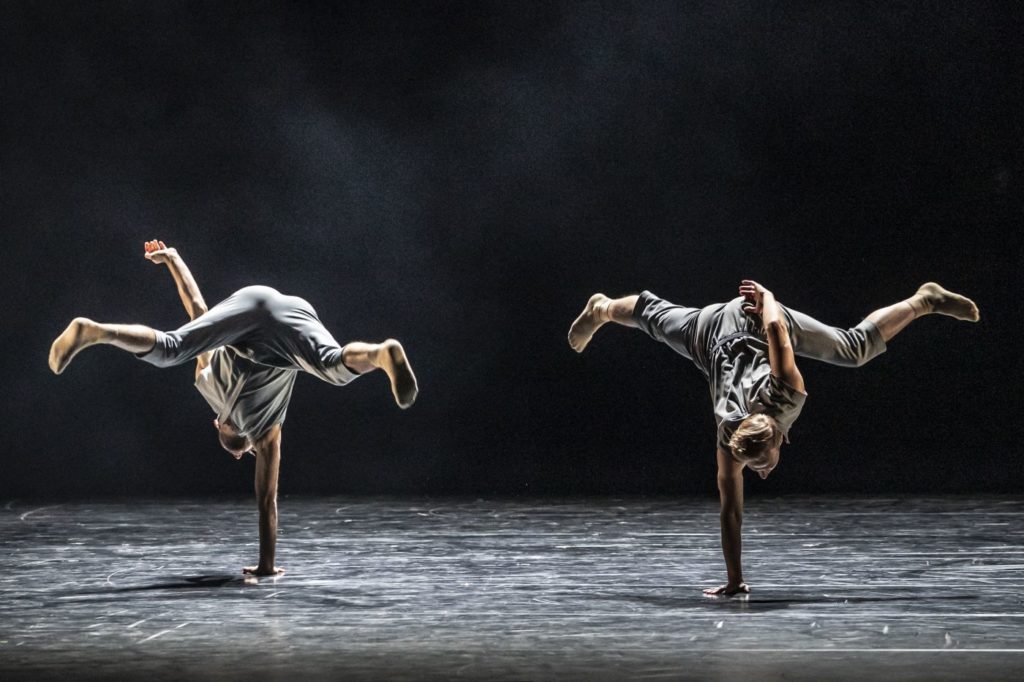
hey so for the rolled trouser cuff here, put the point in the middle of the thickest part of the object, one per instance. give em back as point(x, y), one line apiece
point(163, 353)
point(643, 299)
point(874, 343)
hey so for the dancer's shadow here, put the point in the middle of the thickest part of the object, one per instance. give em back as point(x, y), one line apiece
point(110, 592)
point(767, 602)
point(190, 583)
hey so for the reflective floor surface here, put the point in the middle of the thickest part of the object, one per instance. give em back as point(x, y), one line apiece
point(927, 589)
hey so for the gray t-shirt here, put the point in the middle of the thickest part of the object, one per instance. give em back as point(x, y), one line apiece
point(730, 348)
point(742, 384)
point(252, 396)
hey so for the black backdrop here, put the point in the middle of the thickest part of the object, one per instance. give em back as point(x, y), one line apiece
point(462, 176)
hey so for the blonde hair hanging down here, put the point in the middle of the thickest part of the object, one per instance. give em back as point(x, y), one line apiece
point(754, 436)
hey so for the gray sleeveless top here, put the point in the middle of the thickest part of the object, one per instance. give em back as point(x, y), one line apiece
point(253, 397)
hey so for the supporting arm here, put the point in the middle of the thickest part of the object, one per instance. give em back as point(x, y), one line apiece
point(268, 463)
point(730, 489)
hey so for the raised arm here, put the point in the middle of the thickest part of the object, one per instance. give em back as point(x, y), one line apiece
point(730, 489)
point(268, 463)
point(188, 290)
point(780, 348)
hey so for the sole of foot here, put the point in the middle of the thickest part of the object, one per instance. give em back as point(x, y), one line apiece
point(945, 302)
point(403, 381)
point(584, 326)
point(68, 344)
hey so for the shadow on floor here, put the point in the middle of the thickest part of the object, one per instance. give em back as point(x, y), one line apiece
point(767, 603)
point(192, 583)
point(182, 583)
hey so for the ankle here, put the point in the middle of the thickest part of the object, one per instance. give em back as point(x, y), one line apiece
point(920, 304)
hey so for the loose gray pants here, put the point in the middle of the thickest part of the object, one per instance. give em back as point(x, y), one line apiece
point(693, 332)
point(263, 325)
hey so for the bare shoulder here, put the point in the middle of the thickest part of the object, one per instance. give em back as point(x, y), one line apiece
point(271, 440)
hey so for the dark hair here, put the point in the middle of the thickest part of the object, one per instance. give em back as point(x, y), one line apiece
point(231, 440)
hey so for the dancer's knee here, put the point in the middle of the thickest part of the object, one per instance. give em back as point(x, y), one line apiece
point(859, 360)
point(356, 358)
point(869, 342)
point(165, 351)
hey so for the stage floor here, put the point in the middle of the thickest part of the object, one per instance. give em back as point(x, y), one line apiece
point(924, 589)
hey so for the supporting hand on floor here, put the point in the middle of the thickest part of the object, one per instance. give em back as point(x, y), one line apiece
point(727, 590)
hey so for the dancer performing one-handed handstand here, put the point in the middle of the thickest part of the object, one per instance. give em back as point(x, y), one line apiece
point(248, 350)
point(746, 349)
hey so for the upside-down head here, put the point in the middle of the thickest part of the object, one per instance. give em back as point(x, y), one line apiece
point(756, 442)
point(231, 440)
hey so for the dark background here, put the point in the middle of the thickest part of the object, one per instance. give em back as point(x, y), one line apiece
point(462, 177)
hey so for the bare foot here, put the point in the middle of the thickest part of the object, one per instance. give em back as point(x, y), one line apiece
point(946, 302)
point(391, 358)
point(593, 317)
point(81, 333)
point(260, 570)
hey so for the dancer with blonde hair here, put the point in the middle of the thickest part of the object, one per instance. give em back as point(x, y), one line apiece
point(747, 350)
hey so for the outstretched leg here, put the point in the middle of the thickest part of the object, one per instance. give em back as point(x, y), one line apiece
point(83, 332)
point(389, 356)
point(855, 346)
point(930, 298)
point(227, 322)
point(599, 311)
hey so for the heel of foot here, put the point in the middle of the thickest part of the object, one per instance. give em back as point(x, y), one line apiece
point(403, 381)
point(945, 302)
point(598, 305)
point(593, 317)
point(67, 345)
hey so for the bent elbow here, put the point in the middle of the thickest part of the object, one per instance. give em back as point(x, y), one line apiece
point(777, 328)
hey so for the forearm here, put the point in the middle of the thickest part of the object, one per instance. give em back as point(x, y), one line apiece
point(188, 290)
point(268, 532)
point(268, 464)
point(780, 347)
point(732, 546)
point(770, 310)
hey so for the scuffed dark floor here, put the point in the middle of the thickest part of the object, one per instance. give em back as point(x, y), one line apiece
point(526, 589)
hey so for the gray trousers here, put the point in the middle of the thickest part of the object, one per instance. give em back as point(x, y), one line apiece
point(693, 332)
point(263, 325)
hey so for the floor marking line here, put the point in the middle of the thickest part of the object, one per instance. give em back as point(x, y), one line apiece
point(873, 651)
point(39, 509)
point(159, 634)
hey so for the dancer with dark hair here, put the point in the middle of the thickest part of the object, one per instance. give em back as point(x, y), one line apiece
point(747, 350)
point(248, 350)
